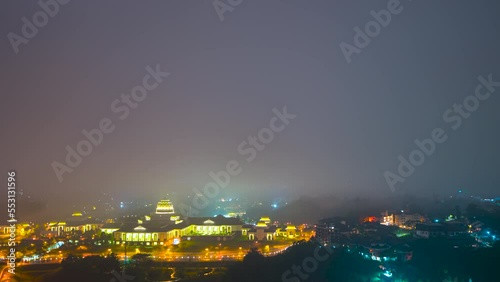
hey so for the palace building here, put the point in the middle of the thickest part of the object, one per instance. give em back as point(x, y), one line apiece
point(165, 227)
point(161, 233)
point(265, 231)
point(77, 223)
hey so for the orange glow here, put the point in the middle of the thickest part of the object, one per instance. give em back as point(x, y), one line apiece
point(370, 219)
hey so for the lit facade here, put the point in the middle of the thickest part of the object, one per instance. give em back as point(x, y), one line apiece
point(61, 227)
point(162, 232)
point(402, 220)
point(205, 226)
point(165, 207)
point(77, 223)
point(262, 231)
point(141, 234)
point(22, 229)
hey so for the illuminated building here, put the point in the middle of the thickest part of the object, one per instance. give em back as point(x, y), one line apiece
point(245, 228)
point(383, 252)
point(376, 251)
point(218, 225)
point(59, 228)
point(387, 219)
point(261, 232)
point(149, 234)
point(402, 220)
point(77, 223)
point(22, 229)
point(165, 206)
point(160, 233)
point(166, 227)
point(265, 231)
point(265, 219)
point(110, 228)
point(290, 232)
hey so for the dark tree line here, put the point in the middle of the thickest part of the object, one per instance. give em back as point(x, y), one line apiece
point(433, 260)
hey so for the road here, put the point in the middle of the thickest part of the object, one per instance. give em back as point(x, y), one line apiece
point(6, 273)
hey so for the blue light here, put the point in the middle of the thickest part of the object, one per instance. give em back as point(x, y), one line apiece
point(436, 220)
point(275, 206)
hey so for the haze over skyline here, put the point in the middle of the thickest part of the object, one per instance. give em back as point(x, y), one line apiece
point(225, 78)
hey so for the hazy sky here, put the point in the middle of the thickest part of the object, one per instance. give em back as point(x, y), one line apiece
point(353, 119)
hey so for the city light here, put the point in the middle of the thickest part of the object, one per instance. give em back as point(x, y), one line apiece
point(287, 141)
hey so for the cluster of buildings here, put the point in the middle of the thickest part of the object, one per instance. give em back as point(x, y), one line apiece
point(22, 230)
point(77, 223)
point(165, 227)
point(378, 238)
point(332, 230)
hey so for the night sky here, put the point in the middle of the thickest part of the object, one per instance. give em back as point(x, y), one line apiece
point(225, 78)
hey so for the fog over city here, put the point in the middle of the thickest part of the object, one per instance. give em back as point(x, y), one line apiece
point(225, 78)
point(295, 110)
